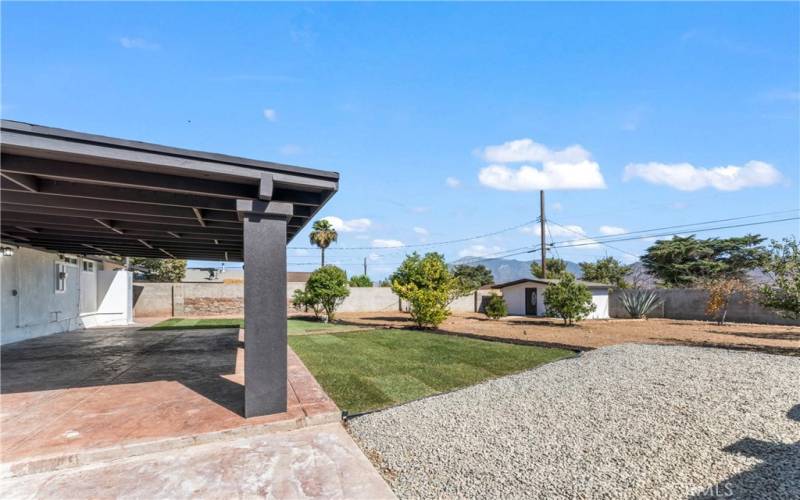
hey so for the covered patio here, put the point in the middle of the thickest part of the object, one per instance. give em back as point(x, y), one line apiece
point(77, 193)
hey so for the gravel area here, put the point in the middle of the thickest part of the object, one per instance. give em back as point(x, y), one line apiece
point(628, 421)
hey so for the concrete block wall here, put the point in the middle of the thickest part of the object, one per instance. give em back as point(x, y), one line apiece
point(223, 299)
point(685, 303)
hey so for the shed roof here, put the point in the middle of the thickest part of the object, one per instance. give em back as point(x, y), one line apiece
point(589, 284)
point(82, 193)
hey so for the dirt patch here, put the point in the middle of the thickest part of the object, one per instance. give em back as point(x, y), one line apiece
point(591, 334)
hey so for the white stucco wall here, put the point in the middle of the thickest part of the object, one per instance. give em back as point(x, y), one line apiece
point(515, 300)
point(31, 307)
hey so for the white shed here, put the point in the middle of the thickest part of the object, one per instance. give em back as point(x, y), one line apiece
point(525, 297)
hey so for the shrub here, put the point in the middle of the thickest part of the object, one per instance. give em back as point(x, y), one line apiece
point(361, 281)
point(427, 285)
point(569, 300)
point(639, 303)
point(327, 286)
point(783, 267)
point(720, 292)
point(303, 301)
point(496, 307)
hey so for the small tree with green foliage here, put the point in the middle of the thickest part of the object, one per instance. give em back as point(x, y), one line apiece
point(360, 281)
point(606, 270)
point(327, 286)
point(569, 300)
point(161, 270)
point(496, 306)
point(473, 277)
point(303, 301)
point(783, 267)
point(556, 268)
point(427, 285)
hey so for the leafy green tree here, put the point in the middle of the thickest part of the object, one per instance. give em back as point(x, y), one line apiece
point(496, 306)
point(606, 270)
point(473, 277)
point(322, 235)
point(427, 285)
point(161, 270)
point(556, 268)
point(688, 261)
point(327, 286)
point(783, 267)
point(303, 301)
point(360, 281)
point(569, 300)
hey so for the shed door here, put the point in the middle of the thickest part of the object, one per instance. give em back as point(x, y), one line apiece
point(530, 301)
point(88, 287)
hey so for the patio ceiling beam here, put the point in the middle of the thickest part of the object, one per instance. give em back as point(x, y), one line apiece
point(26, 182)
point(133, 244)
point(107, 206)
point(93, 232)
point(148, 181)
point(109, 225)
point(53, 187)
point(77, 215)
point(199, 216)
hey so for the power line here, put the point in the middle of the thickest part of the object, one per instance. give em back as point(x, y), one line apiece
point(583, 242)
point(420, 245)
point(580, 234)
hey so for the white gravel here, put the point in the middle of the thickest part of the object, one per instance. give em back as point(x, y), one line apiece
point(629, 421)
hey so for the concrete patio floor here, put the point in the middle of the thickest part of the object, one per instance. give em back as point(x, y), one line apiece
point(316, 462)
point(87, 397)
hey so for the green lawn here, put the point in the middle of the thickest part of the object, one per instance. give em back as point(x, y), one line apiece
point(295, 326)
point(365, 371)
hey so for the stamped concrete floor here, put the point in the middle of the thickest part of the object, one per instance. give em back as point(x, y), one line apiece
point(85, 397)
point(317, 462)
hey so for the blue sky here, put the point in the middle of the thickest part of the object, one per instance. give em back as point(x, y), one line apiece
point(444, 119)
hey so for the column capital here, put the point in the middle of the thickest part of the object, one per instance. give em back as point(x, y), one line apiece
point(269, 209)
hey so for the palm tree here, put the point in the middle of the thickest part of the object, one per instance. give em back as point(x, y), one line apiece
point(322, 235)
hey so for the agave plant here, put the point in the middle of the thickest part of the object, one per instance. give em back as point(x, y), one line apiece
point(639, 303)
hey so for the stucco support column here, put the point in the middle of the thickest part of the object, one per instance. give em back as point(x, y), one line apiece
point(265, 342)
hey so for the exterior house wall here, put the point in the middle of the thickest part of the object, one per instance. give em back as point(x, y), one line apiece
point(31, 307)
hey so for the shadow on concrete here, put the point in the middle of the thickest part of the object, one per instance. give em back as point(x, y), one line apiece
point(198, 359)
point(777, 476)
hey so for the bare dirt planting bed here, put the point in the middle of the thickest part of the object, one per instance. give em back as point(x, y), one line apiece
point(592, 334)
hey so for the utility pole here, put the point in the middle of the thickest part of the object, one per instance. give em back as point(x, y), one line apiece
point(365, 266)
point(541, 221)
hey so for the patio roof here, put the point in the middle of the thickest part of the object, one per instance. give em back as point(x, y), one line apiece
point(81, 193)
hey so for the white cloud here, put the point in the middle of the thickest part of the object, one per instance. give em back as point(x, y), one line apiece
point(687, 177)
point(421, 231)
point(452, 182)
point(557, 207)
point(290, 149)
point(349, 226)
point(552, 175)
point(420, 210)
point(612, 230)
point(479, 251)
point(569, 168)
point(270, 114)
point(138, 43)
point(374, 257)
point(526, 150)
point(387, 243)
point(299, 252)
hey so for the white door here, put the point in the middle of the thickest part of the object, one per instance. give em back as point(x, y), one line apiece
point(88, 286)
